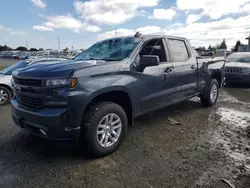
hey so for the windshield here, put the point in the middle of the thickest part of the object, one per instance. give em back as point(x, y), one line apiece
point(244, 58)
point(115, 49)
point(9, 70)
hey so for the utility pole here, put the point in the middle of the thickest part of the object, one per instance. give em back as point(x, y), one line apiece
point(27, 45)
point(58, 40)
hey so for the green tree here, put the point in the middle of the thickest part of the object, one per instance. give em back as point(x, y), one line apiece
point(21, 48)
point(65, 50)
point(223, 45)
point(5, 48)
point(40, 49)
point(210, 48)
point(236, 47)
point(33, 49)
point(214, 48)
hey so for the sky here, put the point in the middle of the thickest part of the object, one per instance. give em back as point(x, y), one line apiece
point(80, 23)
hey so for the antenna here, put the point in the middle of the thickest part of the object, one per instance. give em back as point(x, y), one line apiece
point(27, 44)
point(137, 34)
point(58, 40)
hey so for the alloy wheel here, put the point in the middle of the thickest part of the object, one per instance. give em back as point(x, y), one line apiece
point(109, 130)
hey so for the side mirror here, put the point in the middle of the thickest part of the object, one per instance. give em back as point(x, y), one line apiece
point(149, 60)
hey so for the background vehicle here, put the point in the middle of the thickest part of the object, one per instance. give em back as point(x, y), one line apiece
point(6, 76)
point(95, 96)
point(238, 68)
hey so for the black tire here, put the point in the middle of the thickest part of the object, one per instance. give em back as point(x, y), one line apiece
point(5, 95)
point(90, 126)
point(206, 98)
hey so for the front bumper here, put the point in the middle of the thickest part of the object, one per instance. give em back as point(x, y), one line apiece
point(51, 123)
point(237, 78)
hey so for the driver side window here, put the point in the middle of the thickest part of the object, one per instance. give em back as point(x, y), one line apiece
point(154, 47)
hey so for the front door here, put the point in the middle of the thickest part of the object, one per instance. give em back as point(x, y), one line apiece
point(153, 91)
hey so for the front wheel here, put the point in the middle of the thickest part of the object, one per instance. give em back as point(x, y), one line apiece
point(5, 96)
point(211, 94)
point(105, 126)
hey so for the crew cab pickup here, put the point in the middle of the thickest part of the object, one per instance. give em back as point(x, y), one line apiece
point(94, 97)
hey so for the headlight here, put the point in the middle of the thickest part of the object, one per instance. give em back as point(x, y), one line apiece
point(12, 81)
point(60, 82)
point(57, 82)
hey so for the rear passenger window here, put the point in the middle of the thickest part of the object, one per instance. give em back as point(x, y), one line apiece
point(179, 50)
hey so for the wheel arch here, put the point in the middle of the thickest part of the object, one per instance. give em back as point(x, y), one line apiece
point(7, 87)
point(217, 75)
point(117, 95)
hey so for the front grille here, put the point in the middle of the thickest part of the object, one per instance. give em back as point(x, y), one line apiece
point(30, 102)
point(233, 70)
point(28, 82)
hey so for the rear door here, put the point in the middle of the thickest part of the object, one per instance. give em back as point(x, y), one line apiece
point(185, 68)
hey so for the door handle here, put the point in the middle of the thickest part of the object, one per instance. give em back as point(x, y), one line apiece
point(193, 67)
point(168, 70)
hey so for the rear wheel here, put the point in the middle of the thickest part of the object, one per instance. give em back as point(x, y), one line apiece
point(5, 96)
point(211, 93)
point(104, 128)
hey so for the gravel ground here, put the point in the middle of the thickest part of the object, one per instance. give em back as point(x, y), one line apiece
point(5, 63)
point(211, 148)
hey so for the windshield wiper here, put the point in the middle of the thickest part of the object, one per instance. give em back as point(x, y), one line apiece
point(110, 59)
point(95, 59)
point(90, 59)
point(99, 59)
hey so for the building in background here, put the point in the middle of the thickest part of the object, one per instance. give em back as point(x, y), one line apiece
point(221, 53)
point(248, 44)
point(245, 47)
point(242, 48)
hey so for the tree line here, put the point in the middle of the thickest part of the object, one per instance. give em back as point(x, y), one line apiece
point(20, 48)
point(222, 45)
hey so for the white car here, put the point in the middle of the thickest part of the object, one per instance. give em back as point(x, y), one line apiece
point(6, 75)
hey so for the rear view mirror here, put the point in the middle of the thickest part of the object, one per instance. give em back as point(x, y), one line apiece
point(149, 60)
point(158, 47)
point(151, 48)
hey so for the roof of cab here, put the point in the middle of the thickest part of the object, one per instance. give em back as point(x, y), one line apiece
point(149, 37)
point(162, 36)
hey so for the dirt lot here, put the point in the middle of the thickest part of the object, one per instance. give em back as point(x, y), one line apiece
point(5, 63)
point(211, 148)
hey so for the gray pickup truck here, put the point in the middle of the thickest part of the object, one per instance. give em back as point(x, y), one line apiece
point(94, 97)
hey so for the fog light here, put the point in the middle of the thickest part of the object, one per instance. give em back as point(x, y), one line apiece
point(43, 132)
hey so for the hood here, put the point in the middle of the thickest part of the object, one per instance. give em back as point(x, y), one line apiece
point(238, 64)
point(61, 69)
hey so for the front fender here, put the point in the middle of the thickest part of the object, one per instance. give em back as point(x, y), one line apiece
point(90, 88)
